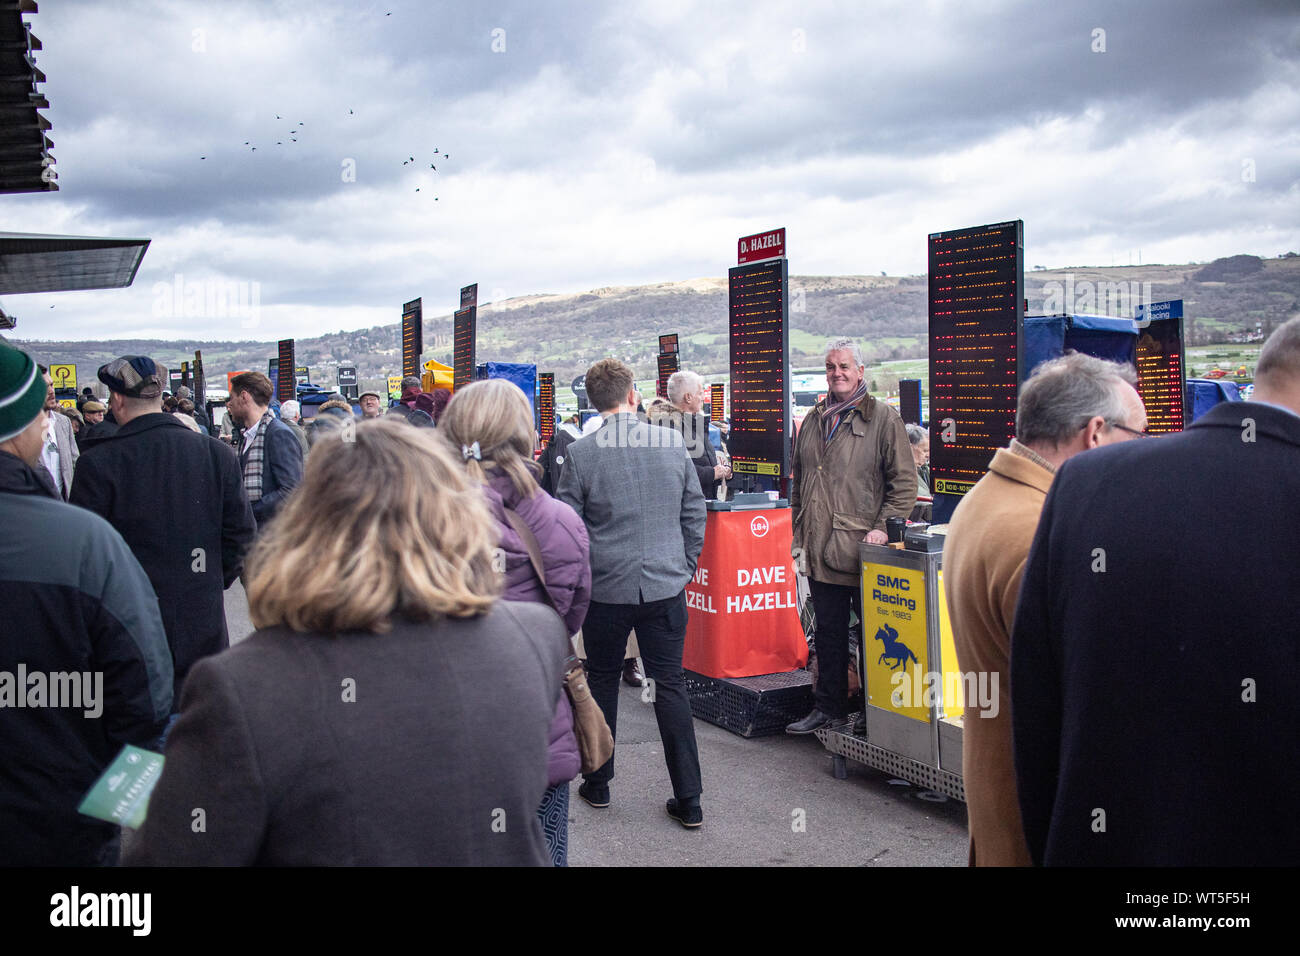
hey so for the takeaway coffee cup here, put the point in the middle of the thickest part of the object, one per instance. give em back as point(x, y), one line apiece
point(895, 527)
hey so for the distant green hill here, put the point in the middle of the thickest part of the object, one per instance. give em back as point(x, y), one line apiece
point(1223, 301)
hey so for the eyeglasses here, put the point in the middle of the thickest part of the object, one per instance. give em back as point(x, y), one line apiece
point(1132, 431)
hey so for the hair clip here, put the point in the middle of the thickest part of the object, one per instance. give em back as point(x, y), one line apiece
point(471, 451)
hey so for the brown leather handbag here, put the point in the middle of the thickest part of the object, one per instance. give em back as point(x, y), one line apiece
point(595, 741)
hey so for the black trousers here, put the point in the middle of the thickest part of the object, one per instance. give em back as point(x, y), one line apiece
point(831, 604)
point(661, 635)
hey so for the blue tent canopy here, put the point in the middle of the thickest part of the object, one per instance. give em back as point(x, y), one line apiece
point(1048, 336)
point(525, 376)
point(1204, 393)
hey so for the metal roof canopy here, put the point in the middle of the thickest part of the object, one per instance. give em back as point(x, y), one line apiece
point(37, 263)
point(26, 165)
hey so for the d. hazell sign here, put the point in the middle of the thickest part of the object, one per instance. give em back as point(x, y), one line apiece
point(760, 246)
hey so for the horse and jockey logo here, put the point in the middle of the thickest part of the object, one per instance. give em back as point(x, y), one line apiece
point(894, 649)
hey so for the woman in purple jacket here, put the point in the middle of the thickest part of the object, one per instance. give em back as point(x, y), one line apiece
point(489, 424)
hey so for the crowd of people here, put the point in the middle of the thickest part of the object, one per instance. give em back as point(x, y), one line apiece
point(423, 668)
point(417, 581)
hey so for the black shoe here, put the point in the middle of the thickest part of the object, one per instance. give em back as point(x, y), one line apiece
point(810, 723)
point(596, 795)
point(632, 675)
point(688, 815)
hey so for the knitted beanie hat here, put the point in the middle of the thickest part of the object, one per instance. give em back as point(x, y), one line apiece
point(22, 391)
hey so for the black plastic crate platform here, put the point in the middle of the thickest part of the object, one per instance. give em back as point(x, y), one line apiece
point(751, 706)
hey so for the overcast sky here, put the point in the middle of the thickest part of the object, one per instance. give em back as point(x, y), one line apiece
point(591, 145)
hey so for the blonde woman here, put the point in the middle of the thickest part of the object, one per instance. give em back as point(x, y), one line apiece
point(489, 426)
point(389, 708)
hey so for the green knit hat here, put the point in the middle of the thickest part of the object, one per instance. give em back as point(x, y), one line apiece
point(22, 391)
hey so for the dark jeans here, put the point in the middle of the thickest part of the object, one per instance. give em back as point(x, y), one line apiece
point(661, 635)
point(831, 604)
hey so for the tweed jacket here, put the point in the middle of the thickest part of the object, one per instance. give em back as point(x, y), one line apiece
point(841, 491)
point(69, 452)
point(694, 430)
point(636, 490)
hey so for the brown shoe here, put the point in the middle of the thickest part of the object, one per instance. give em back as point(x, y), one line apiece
point(632, 673)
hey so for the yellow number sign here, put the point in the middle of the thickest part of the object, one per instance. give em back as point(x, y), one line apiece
point(64, 376)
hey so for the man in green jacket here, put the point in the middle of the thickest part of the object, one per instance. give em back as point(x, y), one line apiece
point(853, 469)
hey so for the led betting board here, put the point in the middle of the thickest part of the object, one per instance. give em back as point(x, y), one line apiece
point(716, 399)
point(469, 296)
point(285, 387)
point(760, 368)
point(462, 350)
point(546, 407)
point(1161, 377)
point(909, 400)
point(668, 343)
point(977, 280)
point(412, 337)
point(667, 366)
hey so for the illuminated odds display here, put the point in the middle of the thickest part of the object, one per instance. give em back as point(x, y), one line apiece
point(760, 369)
point(462, 349)
point(717, 398)
point(412, 337)
point(1161, 377)
point(667, 366)
point(909, 400)
point(285, 386)
point(546, 406)
point(668, 343)
point(977, 279)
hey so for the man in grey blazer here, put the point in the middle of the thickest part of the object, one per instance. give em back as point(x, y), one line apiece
point(59, 456)
point(638, 494)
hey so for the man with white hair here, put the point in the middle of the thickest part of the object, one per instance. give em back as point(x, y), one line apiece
point(199, 414)
point(684, 413)
point(291, 414)
point(1067, 406)
point(852, 470)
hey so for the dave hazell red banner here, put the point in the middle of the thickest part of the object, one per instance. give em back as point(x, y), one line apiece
point(744, 618)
